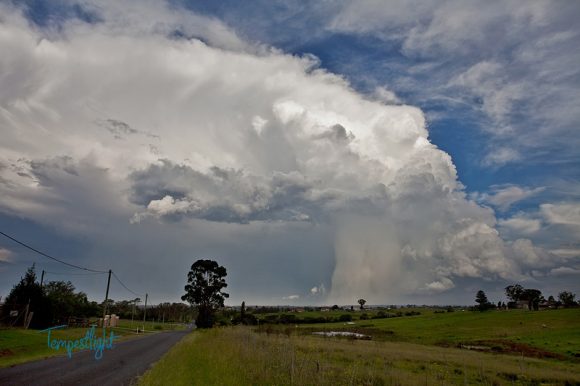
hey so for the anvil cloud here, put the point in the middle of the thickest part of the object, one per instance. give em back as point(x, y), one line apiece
point(179, 132)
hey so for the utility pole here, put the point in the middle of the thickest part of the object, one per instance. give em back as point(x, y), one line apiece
point(42, 278)
point(145, 311)
point(106, 298)
point(133, 313)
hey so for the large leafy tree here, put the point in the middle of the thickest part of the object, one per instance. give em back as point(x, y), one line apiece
point(518, 293)
point(65, 302)
point(514, 292)
point(205, 282)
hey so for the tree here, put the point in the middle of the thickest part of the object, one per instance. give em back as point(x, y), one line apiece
point(65, 302)
point(567, 298)
point(533, 296)
point(362, 303)
point(514, 292)
point(243, 311)
point(481, 299)
point(27, 294)
point(205, 282)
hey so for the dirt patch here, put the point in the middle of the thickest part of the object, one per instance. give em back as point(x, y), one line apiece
point(504, 346)
point(5, 352)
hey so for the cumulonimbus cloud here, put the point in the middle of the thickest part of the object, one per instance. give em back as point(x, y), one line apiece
point(238, 134)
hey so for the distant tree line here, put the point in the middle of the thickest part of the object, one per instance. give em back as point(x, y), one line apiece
point(530, 298)
point(277, 316)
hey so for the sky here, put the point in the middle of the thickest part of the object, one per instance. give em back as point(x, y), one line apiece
point(322, 151)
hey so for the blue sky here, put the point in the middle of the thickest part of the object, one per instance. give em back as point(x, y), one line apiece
point(497, 84)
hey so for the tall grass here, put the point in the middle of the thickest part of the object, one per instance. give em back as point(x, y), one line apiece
point(240, 356)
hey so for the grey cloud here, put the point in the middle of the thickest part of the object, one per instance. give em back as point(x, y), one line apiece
point(118, 128)
point(173, 191)
point(336, 133)
point(41, 168)
point(565, 271)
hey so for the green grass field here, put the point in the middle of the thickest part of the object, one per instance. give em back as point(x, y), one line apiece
point(505, 347)
point(539, 333)
point(18, 345)
point(240, 356)
point(149, 326)
point(555, 331)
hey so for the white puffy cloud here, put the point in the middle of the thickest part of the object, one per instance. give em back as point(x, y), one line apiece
point(531, 256)
point(561, 214)
point(520, 225)
point(504, 196)
point(440, 286)
point(121, 121)
point(553, 226)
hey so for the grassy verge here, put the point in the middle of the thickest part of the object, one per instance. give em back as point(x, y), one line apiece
point(239, 356)
point(19, 346)
point(149, 325)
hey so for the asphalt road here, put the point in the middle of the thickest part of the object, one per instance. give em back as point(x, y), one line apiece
point(118, 366)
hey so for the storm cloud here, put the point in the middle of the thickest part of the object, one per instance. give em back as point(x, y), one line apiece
point(240, 138)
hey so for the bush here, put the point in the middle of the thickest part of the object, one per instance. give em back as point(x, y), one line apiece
point(345, 318)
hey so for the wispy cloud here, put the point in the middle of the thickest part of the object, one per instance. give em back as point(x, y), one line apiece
point(513, 62)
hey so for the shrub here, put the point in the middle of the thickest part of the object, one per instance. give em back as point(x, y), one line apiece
point(345, 318)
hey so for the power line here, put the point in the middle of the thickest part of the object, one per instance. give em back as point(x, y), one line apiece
point(48, 256)
point(92, 271)
point(75, 274)
point(120, 282)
